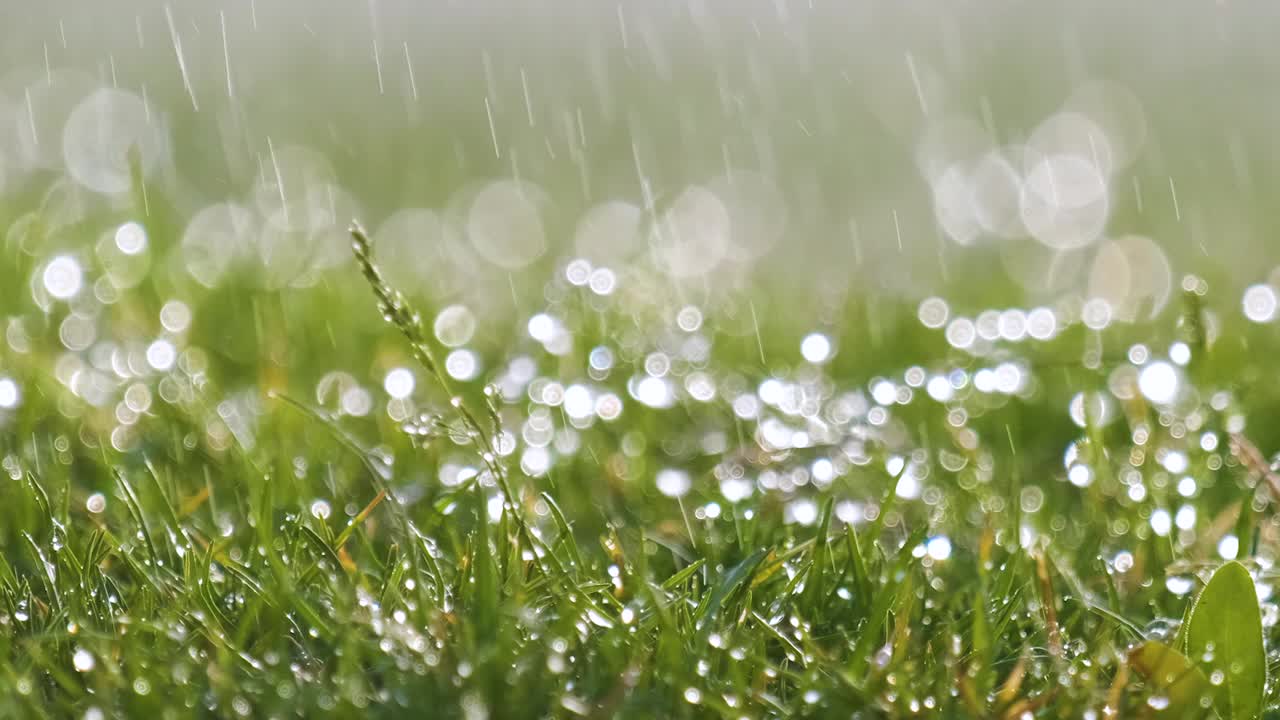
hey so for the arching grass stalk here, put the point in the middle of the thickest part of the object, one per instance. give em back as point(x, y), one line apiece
point(396, 310)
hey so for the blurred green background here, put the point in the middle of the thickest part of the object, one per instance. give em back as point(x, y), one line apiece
point(830, 105)
point(788, 167)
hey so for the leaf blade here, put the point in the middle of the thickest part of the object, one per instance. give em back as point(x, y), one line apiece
point(1225, 635)
point(1173, 676)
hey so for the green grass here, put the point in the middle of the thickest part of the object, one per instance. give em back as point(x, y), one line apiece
point(259, 529)
point(257, 552)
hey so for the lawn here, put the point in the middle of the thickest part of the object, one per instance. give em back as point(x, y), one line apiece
point(644, 525)
point(708, 367)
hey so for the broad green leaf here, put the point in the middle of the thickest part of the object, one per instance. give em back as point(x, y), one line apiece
point(1224, 635)
point(1172, 677)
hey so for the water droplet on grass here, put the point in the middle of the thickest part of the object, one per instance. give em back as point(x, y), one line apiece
point(1260, 303)
point(816, 348)
point(83, 660)
point(10, 395)
point(454, 326)
point(399, 383)
point(1158, 382)
point(131, 238)
point(673, 483)
point(63, 277)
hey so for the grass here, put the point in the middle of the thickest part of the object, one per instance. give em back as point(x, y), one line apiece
point(222, 537)
point(251, 469)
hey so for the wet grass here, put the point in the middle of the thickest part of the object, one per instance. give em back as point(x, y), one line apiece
point(240, 544)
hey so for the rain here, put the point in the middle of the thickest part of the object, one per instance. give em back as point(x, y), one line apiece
point(746, 359)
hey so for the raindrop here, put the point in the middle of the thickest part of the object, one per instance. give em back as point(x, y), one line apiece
point(1076, 134)
point(1096, 314)
point(131, 238)
point(543, 327)
point(609, 232)
point(1161, 522)
point(63, 277)
point(175, 316)
point(422, 254)
point(692, 235)
point(954, 205)
point(1175, 462)
point(10, 396)
point(757, 212)
point(578, 271)
point(940, 389)
point(673, 483)
point(215, 238)
point(83, 660)
point(603, 281)
point(1032, 499)
point(454, 326)
point(608, 406)
point(997, 189)
point(1114, 110)
point(933, 312)
point(816, 348)
point(1229, 547)
point(652, 391)
point(356, 401)
point(938, 547)
point(161, 355)
point(535, 461)
point(1123, 561)
point(1260, 303)
point(803, 511)
point(462, 364)
point(1158, 382)
point(399, 383)
point(1065, 201)
point(505, 224)
point(578, 403)
point(102, 134)
point(1185, 518)
point(1096, 412)
point(1132, 274)
point(320, 509)
point(1080, 475)
point(961, 333)
point(736, 489)
point(601, 358)
point(689, 319)
point(1013, 325)
point(1187, 486)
